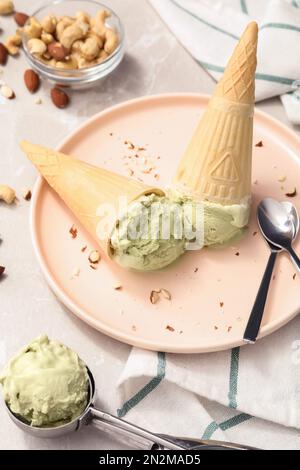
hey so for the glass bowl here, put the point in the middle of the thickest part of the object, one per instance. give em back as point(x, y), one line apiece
point(77, 78)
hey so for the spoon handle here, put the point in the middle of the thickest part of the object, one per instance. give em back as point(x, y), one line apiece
point(294, 257)
point(254, 322)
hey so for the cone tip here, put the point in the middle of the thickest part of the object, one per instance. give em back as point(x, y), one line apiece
point(252, 31)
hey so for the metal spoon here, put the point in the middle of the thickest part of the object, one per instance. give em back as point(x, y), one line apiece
point(106, 422)
point(255, 319)
point(277, 226)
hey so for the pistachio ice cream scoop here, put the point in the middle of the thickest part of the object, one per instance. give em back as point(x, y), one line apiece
point(69, 388)
point(150, 235)
point(46, 383)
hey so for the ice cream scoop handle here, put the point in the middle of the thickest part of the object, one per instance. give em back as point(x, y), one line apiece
point(254, 322)
point(141, 437)
point(144, 439)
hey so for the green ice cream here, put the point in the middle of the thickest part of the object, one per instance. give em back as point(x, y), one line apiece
point(140, 241)
point(46, 383)
point(222, 223)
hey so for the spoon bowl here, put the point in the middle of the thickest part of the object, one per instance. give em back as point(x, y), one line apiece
point(275, 223)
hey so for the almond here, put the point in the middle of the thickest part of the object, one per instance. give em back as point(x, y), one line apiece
point(3, 54)
point(32, 80)
point(57, 51)
point(59, 98)
point(20, 18)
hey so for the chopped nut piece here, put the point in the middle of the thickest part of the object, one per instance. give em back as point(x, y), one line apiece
point(7, 92)
point(254, 233)
point(118, 286)
point(7, 194)
point(166, 294)
point(221, 304)
point(196, 270)
point(27, 194)
point(94, 257)
point(75, 272)
point(259, 144)
point(154, 297)
point(170, 328)
point(130, 172)
point(6, 7)
point(282, 179)
point(73, 231)
point(83, 248)
point(237, 254)
point(294, 276)
point(215, 327)
point(291, 193)
point(229, 329)
point(2, 269)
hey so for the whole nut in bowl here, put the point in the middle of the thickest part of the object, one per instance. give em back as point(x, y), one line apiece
point(74, 43)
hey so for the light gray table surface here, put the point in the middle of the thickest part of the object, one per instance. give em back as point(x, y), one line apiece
point(155, 63)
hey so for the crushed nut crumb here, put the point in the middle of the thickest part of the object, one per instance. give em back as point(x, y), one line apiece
point(94, 257)
point(75, 273)
point(221, 304)
point(291, 193)
point(118, 286)
point(294, 276)
point(27, 194)
point(166, 294)
point(154, 296)
point(84, 248)
point(259, 144)
point(73, 231)
point(170, 328)
point(282, 179)
point(237, 254)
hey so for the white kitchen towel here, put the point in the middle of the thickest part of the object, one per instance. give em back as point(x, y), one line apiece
point(210, 29)
point(248, 395)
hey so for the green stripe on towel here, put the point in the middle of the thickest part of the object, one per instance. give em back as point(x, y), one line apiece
point(244, 6)
point(234, 421)
point(228, 424)
point(233, 378)
point(258, 76)
point(148, 388)
point(196, 17)
point(290, 27)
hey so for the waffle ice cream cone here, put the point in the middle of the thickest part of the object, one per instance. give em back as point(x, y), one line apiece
point(94, 195)
point(217, 163)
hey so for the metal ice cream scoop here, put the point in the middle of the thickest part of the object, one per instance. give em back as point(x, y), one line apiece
point(139, 437)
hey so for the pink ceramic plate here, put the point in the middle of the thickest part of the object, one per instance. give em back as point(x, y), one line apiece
point(212, 290)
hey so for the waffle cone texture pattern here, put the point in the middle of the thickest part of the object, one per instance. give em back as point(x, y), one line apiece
point(88, 191)
point(217, 163)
